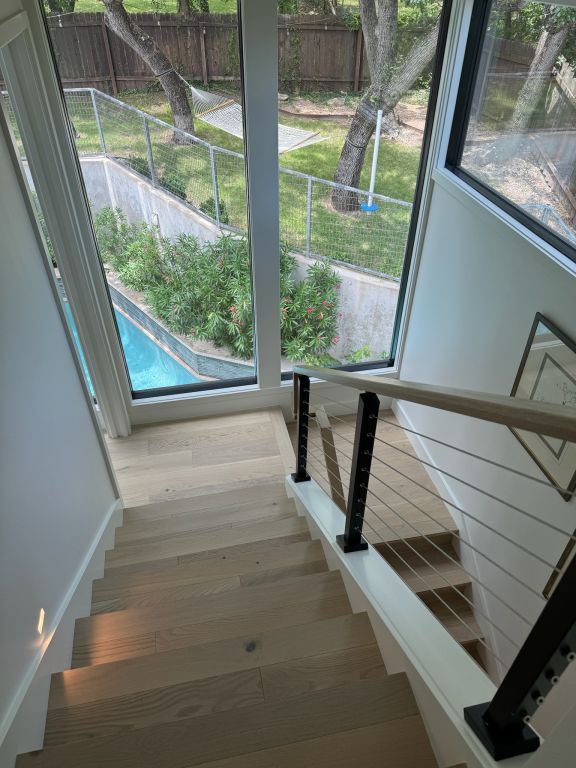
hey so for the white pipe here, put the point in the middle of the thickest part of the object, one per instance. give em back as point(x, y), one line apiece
point(375, 155)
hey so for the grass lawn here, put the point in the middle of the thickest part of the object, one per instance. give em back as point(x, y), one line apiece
point(374, 240)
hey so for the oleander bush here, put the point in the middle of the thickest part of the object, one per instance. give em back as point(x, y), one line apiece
point(205, 289)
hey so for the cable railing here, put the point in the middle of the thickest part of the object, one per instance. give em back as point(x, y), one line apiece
point(474, 557)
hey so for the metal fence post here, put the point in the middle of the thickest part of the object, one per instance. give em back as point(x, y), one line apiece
point(302, 398)
point(308, 217)
point(98, 123)
point(149, 150)
point(215, 186)
point(352, 540)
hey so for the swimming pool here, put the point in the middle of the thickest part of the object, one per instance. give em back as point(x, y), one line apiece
point(149, 365)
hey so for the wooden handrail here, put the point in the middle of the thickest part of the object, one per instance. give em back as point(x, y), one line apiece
point(542, 418)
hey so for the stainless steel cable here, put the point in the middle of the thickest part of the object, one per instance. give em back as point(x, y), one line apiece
point(471, 454)
point(463, 512)
point(463, 541)
point(552, 566)
point(475, 488)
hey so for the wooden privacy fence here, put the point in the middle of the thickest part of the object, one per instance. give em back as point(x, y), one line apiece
point(314, 53)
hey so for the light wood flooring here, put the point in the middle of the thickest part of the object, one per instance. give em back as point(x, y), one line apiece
point(218, 637)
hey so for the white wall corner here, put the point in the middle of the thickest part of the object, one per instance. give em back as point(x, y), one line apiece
point(22, 729)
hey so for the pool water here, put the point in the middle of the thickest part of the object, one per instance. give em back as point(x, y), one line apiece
point(149, 366)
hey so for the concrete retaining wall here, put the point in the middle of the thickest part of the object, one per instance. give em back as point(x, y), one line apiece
point(367, 302)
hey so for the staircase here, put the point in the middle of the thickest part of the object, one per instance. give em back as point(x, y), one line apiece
point(406, 504)
point(219, 637)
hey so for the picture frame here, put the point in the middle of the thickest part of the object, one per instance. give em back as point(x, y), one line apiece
point(547, 373)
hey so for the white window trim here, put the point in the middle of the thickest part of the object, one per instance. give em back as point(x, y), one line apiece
point(37, 101)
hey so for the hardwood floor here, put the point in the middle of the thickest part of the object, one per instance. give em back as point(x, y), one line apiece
point(218, 636)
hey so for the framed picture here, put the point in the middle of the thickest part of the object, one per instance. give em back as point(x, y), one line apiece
point(548, 373)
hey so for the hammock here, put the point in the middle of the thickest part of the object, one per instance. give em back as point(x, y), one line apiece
point(226, 114)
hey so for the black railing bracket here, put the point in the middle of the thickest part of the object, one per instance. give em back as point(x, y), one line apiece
point(352, 540)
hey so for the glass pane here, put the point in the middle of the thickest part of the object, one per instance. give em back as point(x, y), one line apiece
point(520, 138)
point(343, 227)
point(164, 172)
point(7, 107)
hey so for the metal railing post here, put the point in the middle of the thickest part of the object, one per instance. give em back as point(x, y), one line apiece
point(352, 540)
point(502, 724)
point(309, 217)
point(98, 123)
point(150, 154)
point(302, 398)
point(215, 186)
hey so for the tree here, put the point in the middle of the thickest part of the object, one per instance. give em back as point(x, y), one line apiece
point(188, 7)
point(121, 24)
point(559, 24)
point(391, 76)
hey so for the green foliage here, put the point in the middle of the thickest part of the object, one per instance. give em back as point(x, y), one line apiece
point(309, 314)
point(209, 209)
point(139, 164)
point(351, 18)
point(205, 290)
point(174, 182)
point(364, 354)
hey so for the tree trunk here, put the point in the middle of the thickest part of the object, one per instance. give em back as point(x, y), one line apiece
point(120, 23)
point(549, 47)
point(184, 8)
point(383, 94)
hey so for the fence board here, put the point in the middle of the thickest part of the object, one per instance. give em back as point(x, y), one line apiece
point(318, 54)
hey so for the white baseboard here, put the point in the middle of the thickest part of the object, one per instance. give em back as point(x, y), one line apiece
point(22, 729)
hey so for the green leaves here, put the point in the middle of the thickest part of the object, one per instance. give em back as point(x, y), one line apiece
point(205, 290)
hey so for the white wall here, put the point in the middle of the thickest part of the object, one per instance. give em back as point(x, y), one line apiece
point(56, 494)
point(478, 287)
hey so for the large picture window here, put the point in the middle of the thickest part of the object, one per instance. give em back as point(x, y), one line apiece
point(514, 133)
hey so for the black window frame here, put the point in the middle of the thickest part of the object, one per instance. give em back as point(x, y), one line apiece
point(460, 123)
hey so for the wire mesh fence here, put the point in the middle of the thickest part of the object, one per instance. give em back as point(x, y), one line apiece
point(318, 218)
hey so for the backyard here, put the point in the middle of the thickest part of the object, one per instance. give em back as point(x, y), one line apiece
point(373, 241)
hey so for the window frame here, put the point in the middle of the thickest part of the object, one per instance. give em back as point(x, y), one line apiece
point(479, 19)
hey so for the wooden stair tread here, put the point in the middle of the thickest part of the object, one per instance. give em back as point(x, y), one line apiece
point(156, 595)
point(200, 541)
point(104, 650)
point(139, 699)
point(200, 609)
point(159, 510)
point(78, 686)
point(224, 563)
point(275, 545)
point(404, 742)
point(424, 565)
point(192, 741)
point(219, 517)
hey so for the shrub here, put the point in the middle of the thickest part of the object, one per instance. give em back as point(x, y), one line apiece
point(174, 182)
point(209, 209)
point(139, 164)
point(205, 290)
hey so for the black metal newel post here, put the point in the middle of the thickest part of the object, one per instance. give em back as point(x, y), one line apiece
point(302, 385)
point(502, 724)
point(352, 539)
